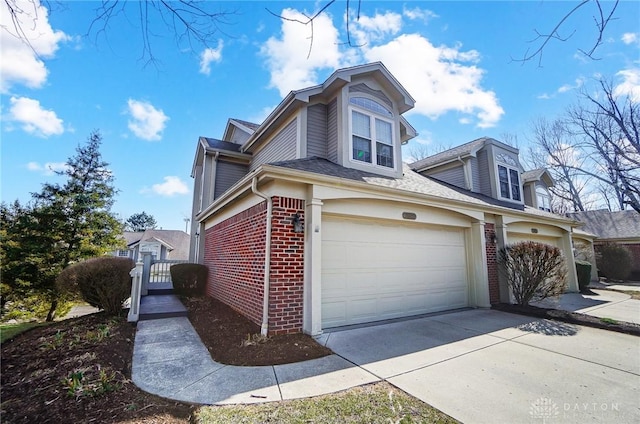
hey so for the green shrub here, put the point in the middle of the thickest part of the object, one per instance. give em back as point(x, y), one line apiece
point(102, 282)
point(534, 271)
point(189, 279)
point(613, 261)
point(583, 269)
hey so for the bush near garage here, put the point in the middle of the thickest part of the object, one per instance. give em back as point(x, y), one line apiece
point(613, 261)
point(102, 282)
point(534, 271)
point(189, 279)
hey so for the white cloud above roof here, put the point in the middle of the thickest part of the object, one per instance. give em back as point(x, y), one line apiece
point(146, 122)
point(171, 186)
point(33, 118)
point(294, 58)
point(209, 56)
point(23, 63)
point(441, 78)
point(630, 37)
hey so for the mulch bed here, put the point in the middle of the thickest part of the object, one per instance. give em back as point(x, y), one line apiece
point(39, 366)
point(570, 318)
point(234, 340)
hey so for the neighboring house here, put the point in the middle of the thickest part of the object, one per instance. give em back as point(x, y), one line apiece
point(315, 208)
point(163, 244)
point(622, 227)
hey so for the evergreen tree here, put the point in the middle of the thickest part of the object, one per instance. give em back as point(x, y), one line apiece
point(140, 222)
point(64, 224)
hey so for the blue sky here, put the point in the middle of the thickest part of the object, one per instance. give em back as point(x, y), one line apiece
point(455, 58)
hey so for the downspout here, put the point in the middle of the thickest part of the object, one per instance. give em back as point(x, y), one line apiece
point(467, 180)
point(267, 257)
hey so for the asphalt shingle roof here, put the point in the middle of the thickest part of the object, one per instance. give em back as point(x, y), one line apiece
point(462, 150)
point(610, 225)
point(221, 145)
point(411, 181)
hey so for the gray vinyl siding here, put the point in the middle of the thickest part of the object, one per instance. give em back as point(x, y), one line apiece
point(363, 88)
point(528, 200)
point(281, 147)
point(332, 131)
point(317, 131)
point(238, 136)
point(484, 179)
point(227, 174)
point(475, 175)
point(453, 176)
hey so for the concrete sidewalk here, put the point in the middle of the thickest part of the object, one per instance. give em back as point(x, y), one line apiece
point(475, 365)
point(601, 304)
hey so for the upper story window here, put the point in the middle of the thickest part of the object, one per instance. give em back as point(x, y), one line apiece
point(509, 182)
point(371, 132)
point(543, 198)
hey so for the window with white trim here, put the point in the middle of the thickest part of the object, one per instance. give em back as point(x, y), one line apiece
point(371, 132)
point(543, 199)
point(123, 253)
point(509, 183)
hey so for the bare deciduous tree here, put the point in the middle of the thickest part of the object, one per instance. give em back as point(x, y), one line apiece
point(189, 21)
point(602, 18)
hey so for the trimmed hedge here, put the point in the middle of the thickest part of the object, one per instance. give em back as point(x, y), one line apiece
point(189, 279)
point(583, 269)
point(102, 282)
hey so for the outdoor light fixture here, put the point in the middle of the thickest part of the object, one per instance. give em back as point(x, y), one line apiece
point(493, 238)
point(297, 224)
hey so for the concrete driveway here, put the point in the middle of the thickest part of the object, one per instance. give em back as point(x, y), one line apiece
point(485, 366)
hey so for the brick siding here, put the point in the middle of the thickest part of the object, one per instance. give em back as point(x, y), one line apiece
point(492, 263)
point(235, 254)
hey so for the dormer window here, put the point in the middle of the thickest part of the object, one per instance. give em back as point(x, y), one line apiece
point(543, 198)
point(508, 178)
point(371, 132)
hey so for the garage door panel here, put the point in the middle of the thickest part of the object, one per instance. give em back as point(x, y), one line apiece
point(374, 272)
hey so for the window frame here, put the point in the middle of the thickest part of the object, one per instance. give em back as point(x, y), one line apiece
point(120, 252)
point(374, 141)
point(510, 170)
point(543, 193)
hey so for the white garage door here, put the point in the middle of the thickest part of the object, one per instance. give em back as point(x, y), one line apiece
point(373, 271)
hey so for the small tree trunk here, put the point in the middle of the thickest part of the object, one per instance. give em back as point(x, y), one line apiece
point(52, 310)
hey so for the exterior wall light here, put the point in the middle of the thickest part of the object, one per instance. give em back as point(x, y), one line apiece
point(297, 224)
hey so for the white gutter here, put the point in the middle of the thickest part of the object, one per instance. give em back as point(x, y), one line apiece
point(267, 257)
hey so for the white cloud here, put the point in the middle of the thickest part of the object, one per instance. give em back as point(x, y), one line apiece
point(630, 38)
point(49, 168)
point(630, 85)
point(441, 79)
point(418, 13)
point(368, 29)
point(33, 118)
point(289, 60)
point(146, 121)
point(579, 82)
point(171, 186)
point(22, 63)
point(210, 55)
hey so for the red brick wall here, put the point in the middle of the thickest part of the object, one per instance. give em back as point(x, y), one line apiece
point(287, 268)
point(634, 249)
point(235, 252)
point(492, 263)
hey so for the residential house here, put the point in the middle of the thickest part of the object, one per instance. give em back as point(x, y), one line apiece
point(622, 227)
point(311, 220)
point(163, 244)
